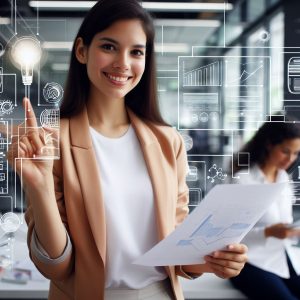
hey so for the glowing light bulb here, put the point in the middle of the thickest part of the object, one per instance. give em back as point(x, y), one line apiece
point(26, 52)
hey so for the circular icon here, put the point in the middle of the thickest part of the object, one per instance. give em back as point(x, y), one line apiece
point(195, 118)
point(53, 92)
point(264, 36)
point(203, 117)
point(50, 117)
point(188, 141)
point(10, 222)
point(6, 107)
point(214, 116)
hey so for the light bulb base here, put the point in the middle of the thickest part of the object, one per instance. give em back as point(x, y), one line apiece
point(27, 80)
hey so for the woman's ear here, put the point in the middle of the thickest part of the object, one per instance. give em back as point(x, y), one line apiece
point(80, 51)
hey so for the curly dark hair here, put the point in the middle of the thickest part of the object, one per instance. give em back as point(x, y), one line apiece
point(271, 133)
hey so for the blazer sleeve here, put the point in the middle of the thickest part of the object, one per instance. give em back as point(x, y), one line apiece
point(59, 268)
point(182, 209)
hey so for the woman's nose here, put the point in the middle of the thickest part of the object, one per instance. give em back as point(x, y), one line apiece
point(121, 62)
point(292, 158)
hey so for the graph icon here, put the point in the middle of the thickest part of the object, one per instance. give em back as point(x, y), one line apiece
point(250, 74)
point(208, 75)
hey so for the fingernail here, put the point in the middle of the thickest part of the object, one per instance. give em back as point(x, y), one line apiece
point(230, 247)
point(215, 254)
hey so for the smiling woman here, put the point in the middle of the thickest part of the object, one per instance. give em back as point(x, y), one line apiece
point(119, 187)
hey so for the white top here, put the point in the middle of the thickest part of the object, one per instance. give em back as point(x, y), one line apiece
point(269, 253)
point(129, 208)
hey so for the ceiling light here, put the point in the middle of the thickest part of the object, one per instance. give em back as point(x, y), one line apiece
point(60, 67)
point(186, 23)
point(185, 7)
point(151, 6)
point(172, 48)
point(57, 45)
point(4, 21)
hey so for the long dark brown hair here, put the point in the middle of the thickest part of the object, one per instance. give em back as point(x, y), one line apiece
point(269, 135)
point(142, 100)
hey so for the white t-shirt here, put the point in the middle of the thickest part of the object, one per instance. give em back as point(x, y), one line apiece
point(129, 207)
point(269, 253)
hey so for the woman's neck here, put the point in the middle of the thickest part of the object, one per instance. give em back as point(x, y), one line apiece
point(109, 117)
point(270, 172)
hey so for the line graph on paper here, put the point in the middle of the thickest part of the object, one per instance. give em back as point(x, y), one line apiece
point(208, 233)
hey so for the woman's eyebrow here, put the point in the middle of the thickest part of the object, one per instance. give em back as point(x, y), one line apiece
point(107, 39)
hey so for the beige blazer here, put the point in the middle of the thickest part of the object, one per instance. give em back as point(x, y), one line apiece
point(81, 275)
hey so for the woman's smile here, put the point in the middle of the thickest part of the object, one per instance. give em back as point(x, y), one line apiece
point(117, 78)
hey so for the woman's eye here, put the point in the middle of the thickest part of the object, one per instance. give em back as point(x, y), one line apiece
point(108, 47)
point(285, 151)
point(137, 52)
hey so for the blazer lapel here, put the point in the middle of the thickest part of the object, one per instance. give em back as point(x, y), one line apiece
point(88, 174)
point(89, 177)
point(153, 157)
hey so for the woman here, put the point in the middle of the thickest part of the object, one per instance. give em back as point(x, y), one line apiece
point(273, 267)
point(119, 186)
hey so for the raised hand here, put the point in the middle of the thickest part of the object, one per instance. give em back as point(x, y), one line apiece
point(32, 149)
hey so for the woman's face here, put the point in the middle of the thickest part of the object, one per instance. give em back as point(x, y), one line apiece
point(115, 59)
point(283, 155)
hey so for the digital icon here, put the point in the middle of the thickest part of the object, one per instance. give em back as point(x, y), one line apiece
point(249, 76)
point(188, 141)
point(192, 174)
point(50, 117)
point(264, 36)
point(294, 75)
point(2, 50)
point(202, 106)
point(53, 92)
point(195, 197)
point(26, 52)
point(203, 117)
point(208, 75)
point(1, 79)
point(214, 116)
point(216, 173)
point(10, 222)
point(6, 107)
point(2, 176)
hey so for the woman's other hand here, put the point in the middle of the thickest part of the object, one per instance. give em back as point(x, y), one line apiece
point(227, 263)
point(281, 231)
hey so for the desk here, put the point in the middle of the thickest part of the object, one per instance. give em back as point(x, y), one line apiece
point(207, 286)
point(30, 290)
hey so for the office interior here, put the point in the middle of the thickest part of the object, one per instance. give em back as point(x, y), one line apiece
point(223, 68)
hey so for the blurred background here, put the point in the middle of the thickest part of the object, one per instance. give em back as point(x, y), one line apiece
point(223, 68)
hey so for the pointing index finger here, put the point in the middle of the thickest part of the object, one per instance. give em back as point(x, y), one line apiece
point(30, 118)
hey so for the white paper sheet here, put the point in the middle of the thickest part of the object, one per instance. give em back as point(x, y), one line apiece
point(224, 216)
